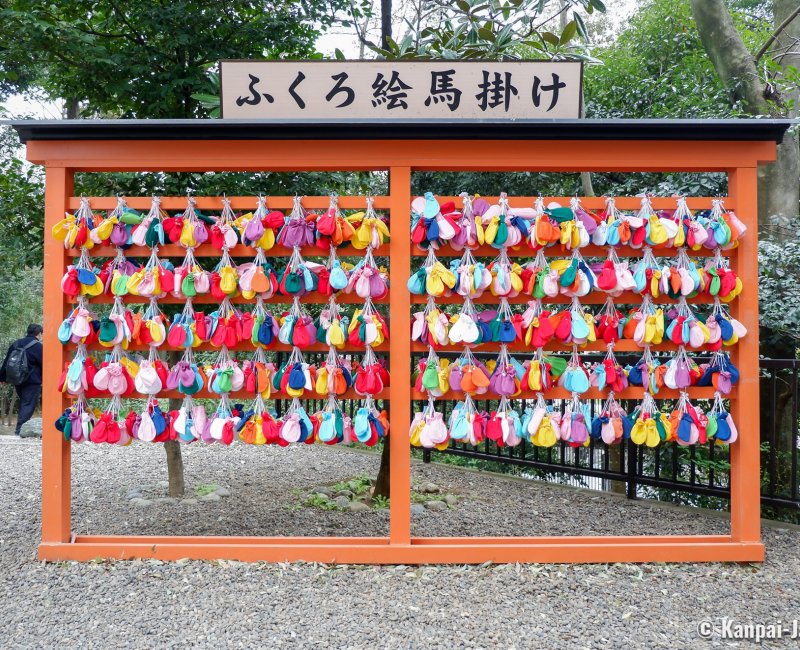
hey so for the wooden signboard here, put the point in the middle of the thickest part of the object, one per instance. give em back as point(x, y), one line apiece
point(400, 89)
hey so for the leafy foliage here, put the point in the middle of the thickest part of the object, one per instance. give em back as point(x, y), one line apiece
point(657, 68)
point(146, 58)
point(20, 305)
point(491, 29)
point(320, 501)
point(232, 183)
point(358, 485)
point(21, 206)
point(779, 296)
point(204, 489)
point(21, 220)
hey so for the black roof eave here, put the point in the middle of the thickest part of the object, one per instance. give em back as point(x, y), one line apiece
point(224, 129)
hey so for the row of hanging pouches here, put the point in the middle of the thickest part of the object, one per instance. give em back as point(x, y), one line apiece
point(227, 326)
point(647, 324)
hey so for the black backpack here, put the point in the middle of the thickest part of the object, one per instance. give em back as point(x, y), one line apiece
point(17, 367)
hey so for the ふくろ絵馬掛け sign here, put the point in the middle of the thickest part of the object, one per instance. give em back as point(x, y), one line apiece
point(400, 89)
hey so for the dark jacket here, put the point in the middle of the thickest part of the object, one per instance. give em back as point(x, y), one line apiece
point(34, 354)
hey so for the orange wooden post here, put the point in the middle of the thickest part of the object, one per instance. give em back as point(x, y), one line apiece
point(400, 355)
point(56, 452)
point(745, 453)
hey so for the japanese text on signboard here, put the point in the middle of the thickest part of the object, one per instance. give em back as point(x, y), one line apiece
point(404, 90)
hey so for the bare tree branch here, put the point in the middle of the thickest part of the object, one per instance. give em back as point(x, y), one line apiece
point(564, 7)
point(783, 48)
point(778, 59)
point(787, 21)
point(363, 39)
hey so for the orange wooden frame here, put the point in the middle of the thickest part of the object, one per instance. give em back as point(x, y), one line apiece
point(738, 159)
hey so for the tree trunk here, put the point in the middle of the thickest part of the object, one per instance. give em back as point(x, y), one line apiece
point(615, 461)
point(587, 189)
point(781, 180)
point(731, 59)
point(177, 487)
point(386, 23)
point(71, 109)
point(779, 192)
point(175, 474)
point(382, 481)
point(790, 37)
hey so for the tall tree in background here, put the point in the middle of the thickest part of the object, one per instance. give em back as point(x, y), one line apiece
point(145, 59)
point(382, 480)
point(779, 182)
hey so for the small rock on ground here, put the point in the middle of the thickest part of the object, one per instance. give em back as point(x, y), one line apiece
point(358, 506)
point(344, 493)
point(430, 488)
point(341, 502)
point(167, 501)
point(141, 503)
point(189, 502)
point(31, 429)
point(436, 505)
point(213, 496)
point(222, 491)
point(417, 509)
point(451, 499)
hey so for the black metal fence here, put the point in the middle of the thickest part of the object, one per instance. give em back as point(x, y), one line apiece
point(9, 405)
point(697, 475)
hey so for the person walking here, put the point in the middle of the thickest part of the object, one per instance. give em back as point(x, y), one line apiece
point(22, 368)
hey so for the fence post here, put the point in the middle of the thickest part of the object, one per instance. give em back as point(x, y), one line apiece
point(631, 459)
point(616, 460)
point(426, 455)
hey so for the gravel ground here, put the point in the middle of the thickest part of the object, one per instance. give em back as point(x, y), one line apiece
point(229, 604)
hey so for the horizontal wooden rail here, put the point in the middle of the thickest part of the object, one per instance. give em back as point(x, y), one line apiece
point(383, 202)
point(204, 393)
point(599, 202)
point(207, 250)
point(523, 250)
point(625, 345)
point(208, 299)
point(593, 298)
point(246, 346)
point(419, 155)
point(420, 550)
point(632, 392)
point(214, 203)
